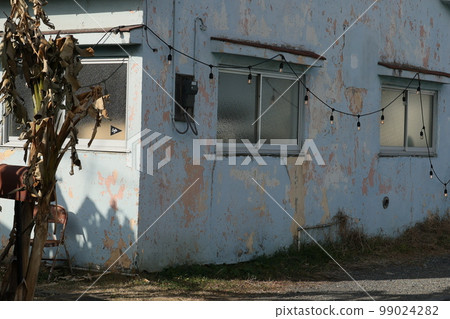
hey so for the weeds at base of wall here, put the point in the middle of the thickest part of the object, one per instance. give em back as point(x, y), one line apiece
point(430, 237)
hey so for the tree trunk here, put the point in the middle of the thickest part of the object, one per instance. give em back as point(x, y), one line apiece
point(27, 220)
point(40, 236)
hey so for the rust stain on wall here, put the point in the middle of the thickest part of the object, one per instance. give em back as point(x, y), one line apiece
point(384, 188)
point(370, 179)
point(355, 99)
point(245, 21)
point(108, 243)
point(326, 209)
point(109, 182)
point(204, 93)
point(197, 201)
point(146, 117)
point(166, 116)
point(426, 58)
point(249, 244)
point(296, 193)
point(115, 257)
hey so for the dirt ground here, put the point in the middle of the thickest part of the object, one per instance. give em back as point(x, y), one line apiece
point(421, 278)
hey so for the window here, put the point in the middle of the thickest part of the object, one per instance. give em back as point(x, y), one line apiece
point(112, 75)
point(241, 104)
point(111, 133)
point(400, 133)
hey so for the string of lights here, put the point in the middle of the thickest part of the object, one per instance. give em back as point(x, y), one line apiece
point(308, 91)
point(423, 134)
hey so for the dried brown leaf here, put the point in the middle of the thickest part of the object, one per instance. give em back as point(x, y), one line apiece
point(85, 53)
point(67, 50)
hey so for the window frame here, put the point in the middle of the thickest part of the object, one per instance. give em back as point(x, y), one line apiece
point(103, 145)
point(267, 148)
point(405, 150)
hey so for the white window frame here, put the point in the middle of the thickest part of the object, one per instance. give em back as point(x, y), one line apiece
point(104, 144)
point(266, 148)
point(97, 144)
point(405, 150)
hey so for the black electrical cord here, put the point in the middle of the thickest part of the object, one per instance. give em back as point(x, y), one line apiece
point(190, 124)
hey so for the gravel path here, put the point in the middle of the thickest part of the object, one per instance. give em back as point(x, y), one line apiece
point(427, 279)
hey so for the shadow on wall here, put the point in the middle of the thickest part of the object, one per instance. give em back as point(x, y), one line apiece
point(97, 239)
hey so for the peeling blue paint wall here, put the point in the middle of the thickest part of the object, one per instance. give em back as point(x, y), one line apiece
point(102, 198)
point(225, 217)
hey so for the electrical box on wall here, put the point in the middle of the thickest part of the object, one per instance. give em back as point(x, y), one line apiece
point(186, 89)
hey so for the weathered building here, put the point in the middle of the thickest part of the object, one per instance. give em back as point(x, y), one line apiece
point(231, 213)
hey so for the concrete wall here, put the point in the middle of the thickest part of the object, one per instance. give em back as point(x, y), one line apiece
point(225, 216)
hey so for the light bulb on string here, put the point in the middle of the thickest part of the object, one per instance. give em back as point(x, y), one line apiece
point(382, 117)
point(306, 96)
point(422, 133)
point(169, 57)
point(418, 90)
point(332, 117)
point(404, 97)
point(249, 78)
point(359, 123)
point(211, 75)
point(431, 173)
point(281, 63)
point(445, 191)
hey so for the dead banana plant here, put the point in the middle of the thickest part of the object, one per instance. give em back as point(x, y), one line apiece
point(50, 68)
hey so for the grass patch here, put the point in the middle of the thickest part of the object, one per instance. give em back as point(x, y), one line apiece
point(310, 262)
